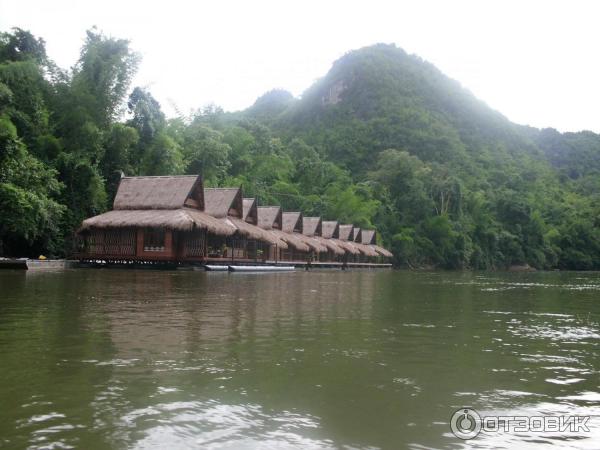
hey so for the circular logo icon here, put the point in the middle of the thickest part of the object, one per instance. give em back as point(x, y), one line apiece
point(465, 423)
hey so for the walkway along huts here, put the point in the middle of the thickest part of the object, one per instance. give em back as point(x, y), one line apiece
point(174, 219)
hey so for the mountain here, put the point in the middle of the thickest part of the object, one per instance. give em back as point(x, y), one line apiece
point(380, 97)
point(271, 104)
point(512, 184)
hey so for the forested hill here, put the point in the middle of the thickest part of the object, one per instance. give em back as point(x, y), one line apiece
point(459, 184)
point(384, 139)
point(380, 97)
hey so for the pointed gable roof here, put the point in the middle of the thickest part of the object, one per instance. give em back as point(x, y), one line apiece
point(270, 217)
point(223, 202)
point(250, 210)
point(330, 229)
point(292, 221)
point(311, 226)
point(171, 192)
point(347, 232)
point(228, 204)
point(368, 237)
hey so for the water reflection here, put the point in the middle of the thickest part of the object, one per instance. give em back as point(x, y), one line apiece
point(122, 359)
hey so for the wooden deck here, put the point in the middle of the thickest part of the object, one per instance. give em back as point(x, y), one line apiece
point(170, 263)
point(301, 264)
point(36, 264)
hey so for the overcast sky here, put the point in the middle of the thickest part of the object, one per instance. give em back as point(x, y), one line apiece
point(537, 62)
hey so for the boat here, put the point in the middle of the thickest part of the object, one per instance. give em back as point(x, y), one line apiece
point(216, 268)
point(261, 268)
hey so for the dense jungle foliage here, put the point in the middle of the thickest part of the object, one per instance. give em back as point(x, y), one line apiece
point(384, 140)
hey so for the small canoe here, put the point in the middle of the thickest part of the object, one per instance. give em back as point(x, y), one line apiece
point(261, 268)
point(216, 268)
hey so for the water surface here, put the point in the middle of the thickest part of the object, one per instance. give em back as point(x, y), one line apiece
point(121, 359)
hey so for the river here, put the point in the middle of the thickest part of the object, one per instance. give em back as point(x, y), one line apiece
point(101, 358)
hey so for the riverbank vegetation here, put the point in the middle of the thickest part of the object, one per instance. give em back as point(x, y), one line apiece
point(384, 140)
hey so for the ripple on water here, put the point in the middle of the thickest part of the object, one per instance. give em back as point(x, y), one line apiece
point(557, 333)
point(548, 358)
point(492, 286)
point(564, 380)
point(211, 424)
point(588, 397)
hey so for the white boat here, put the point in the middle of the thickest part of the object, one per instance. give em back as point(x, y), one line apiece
point(261, 268)
point(216, 268)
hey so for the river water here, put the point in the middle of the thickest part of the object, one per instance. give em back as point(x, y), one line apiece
point(97, 359)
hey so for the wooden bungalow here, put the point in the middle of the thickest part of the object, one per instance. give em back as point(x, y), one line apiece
point(369, 237)
point(331, 230)
point(356, 235)
point(270, 219)
point(347, 233)
point(293, 225)
point(175, 219)
point(250, 243)
point(346, 236)
point(313, 228)
point(250, 210)
point(153, 219)
point(367, 254)
point(255, 249)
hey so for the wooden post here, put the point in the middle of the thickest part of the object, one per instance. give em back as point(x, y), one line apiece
point(169, 250)
point(140, 242)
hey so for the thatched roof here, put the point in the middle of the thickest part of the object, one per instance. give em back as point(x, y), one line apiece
point(347, 232)
point(227, 204)
point(172, 192)
point(311, 242)
point(183, 219)
point(270, 217)
point(223, 202)
point(292, 221)
point(250, 210)
point(330, 229)
point(357, 235)
point(292, 239)
point(366, 250)
point(330, 245)
point(311, 226)
point(253, 232)
point(368, 237)
point(382, 251)
point(347, 246)
point(276, 239)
